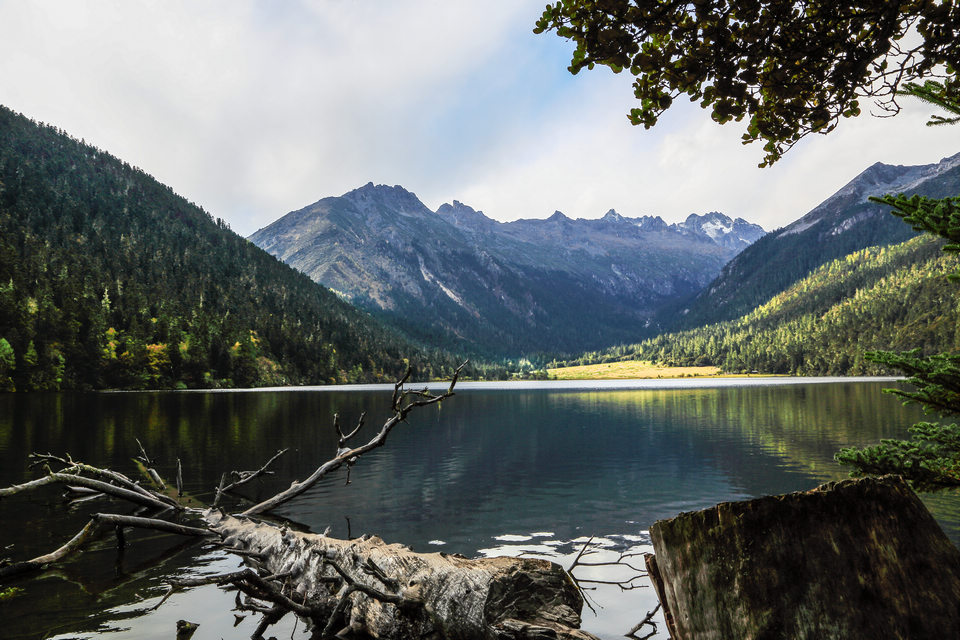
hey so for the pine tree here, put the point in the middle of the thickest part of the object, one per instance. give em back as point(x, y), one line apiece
point(7, 366)
point(931, 458)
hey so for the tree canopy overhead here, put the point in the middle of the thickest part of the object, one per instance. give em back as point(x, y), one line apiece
point(789, 67)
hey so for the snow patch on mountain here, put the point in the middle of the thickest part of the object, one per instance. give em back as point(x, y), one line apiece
point(429, 277)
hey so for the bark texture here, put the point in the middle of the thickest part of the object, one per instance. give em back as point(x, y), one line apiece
point(437, 594)
point(853, 559)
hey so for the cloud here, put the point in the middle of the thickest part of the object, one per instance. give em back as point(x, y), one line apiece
point(253, 109)
point(249, 108)
point(588, 160)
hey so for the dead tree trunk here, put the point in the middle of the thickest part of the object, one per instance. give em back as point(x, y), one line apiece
point(858, 559)
point(342, 587)
point(389, 591)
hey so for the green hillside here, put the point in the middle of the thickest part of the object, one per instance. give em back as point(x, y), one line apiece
point(844, 223)
point(891, 298)
point(108, 279)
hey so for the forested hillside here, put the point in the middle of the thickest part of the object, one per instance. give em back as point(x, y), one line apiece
point(891, 298)
point(845, 222)
point(108, 279)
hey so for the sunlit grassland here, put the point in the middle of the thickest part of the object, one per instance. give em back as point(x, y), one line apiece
point(630, 369)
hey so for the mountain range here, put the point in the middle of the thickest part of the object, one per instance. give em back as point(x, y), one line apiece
point(108, 279)
point(844, 223)
point(460, 279)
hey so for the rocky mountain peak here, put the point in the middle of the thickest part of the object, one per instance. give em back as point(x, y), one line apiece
point(465, 216)
point(473, 281)
point(651, 223)
point(371, 198)
point(723, 230)
point(876, 180)
point(714, 224)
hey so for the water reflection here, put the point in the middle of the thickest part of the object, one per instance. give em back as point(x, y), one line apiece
point(506, 470)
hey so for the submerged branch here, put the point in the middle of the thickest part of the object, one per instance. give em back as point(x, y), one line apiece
point(26, 486)
point(244, 477)
point(113, 490)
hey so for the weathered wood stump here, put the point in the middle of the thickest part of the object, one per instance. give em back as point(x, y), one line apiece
point(853, 559)
point(440, 595)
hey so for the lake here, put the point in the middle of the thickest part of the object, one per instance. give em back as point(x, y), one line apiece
point(499, 469)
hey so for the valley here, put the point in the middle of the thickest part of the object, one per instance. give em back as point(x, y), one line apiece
point(110, 280)
point(597, 270)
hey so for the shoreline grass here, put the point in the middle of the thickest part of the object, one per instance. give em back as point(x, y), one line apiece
point(630, 369)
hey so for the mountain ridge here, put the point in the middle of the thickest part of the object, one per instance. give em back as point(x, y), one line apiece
point(843, 223)
point(501, 286)
point(877, 179)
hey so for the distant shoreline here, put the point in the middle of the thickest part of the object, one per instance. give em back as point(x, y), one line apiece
point(697, 382)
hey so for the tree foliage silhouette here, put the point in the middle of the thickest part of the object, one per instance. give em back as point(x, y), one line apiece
point(788, 68)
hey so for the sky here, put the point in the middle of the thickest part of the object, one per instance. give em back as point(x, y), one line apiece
point(252, 109)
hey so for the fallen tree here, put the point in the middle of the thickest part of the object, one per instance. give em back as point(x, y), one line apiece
point(339, 587)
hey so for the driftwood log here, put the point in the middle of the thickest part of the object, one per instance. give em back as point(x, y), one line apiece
point(857, 559)
point(342, 588)
point(402, 594)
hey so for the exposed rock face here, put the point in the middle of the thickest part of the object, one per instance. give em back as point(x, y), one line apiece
point(458, 278)
point(858, 559)
point(878, 179)
point(736, 234)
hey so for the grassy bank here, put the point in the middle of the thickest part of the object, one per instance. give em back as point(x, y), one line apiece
point(631, 369)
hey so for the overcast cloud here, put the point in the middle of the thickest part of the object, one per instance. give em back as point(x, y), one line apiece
point(254, 109)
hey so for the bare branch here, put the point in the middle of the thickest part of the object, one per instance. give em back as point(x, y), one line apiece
point(74, 466)
point(647, 621)
point(151, 472)
point(26, 486)
point(393, 598)
point(351, 585)
point(345, 438)
point(267, 590)
point(41, 561)
point(245, 476)
point(179, 479)
point(270, 617)
point(398, 385)
point(401, 408)
point(627, 584)
point(151, 523)
point(256, 555)
point(144, 458)
point(618, 562)
point(583, 551)
point(113, 490)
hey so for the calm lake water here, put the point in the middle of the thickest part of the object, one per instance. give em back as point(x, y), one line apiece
point(499, 469)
